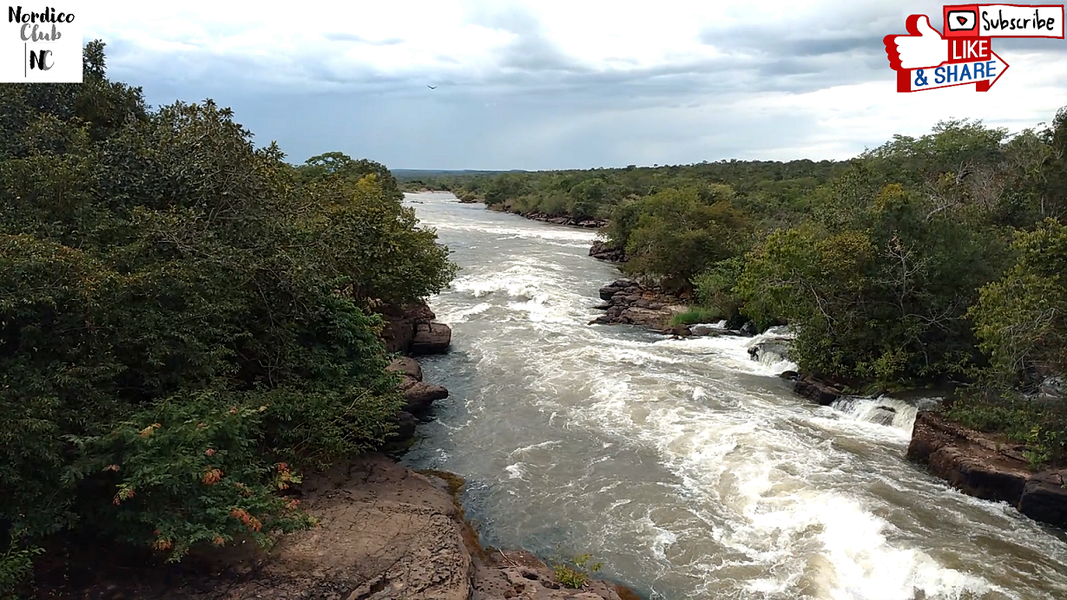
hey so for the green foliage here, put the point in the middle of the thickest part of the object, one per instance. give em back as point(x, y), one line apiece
point(679, 234)
point(1039, 424)
point(717, 286)
point(576, 571)
point(696, 314)
point(1021, 319)
point(16, 564)
point(186, 322)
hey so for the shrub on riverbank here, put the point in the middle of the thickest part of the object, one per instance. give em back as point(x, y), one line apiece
point(186, 321)
point(696, 314)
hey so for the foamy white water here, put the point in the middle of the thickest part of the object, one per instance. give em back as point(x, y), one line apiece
point(685, 465)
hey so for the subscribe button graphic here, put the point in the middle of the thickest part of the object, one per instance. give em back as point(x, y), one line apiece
point(1004, 21)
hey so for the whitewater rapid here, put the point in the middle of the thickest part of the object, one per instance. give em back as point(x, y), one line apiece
point(689, 468)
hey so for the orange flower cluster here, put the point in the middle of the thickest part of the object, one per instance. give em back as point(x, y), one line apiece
point(247, 493)
point(162, 544)
point(249, 521)
point(284, 476)
point(211, 477)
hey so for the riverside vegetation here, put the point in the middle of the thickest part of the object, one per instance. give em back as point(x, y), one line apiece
point(187, 322)
point(938, 259)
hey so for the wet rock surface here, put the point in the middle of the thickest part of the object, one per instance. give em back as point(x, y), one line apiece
point(630, 303)
point(563, 220)
point(988, 467)
point(601, 250)
point(817, 391)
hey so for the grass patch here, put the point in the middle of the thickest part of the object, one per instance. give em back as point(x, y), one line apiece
point(575, 572)
point(696, 314)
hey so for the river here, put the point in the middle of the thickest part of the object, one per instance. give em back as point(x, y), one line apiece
point(689, 469)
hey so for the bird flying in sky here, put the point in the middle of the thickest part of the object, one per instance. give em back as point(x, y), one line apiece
point(432, 87)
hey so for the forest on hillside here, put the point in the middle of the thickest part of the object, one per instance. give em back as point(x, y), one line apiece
point(187, 322)
point(925, 260)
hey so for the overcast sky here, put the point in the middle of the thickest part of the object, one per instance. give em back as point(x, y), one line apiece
point(557, 84)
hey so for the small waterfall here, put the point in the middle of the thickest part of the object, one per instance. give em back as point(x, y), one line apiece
point(883, 410)
point(771, 349)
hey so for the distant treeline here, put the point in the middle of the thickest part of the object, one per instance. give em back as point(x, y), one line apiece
point(941, 257)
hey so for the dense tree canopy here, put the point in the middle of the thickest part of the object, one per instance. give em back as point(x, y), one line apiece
point(185, 320)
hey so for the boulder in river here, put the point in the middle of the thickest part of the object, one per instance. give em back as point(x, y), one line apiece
point(405, 365)
point(630, 303)
point(1044, 498)
point(820, 392)
point(601, 250)
point(421, 396)
point(401, 323)
point(431, 338)
point(776, 348)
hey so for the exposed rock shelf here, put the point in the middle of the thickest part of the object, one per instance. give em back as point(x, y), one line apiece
point(988, 467)
point(630, 303)
point(601, 250)
point(385, 533)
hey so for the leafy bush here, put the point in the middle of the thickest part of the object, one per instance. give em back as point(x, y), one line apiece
point(186, 322)
point(716, 287)
point(696, 314)
point(16, 563)
point(576, 572)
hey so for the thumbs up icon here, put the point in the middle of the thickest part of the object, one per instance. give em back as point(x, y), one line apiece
point(923, 48)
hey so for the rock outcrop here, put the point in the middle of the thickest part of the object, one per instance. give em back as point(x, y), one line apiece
point(630, 303)
point(817, 391)
point(385, 533)
point(563, 220)
point(430, 338)
point(988, 467)
point(1044, 498)
point(412, 331)
point(601, 250)
point(401, 323)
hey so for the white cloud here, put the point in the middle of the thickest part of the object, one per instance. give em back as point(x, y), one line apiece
point(591, 82)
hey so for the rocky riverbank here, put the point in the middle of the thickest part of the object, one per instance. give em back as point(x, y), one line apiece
point(411, 331)
point(982, 465)
point(558, 220)
point(554, 219)
point(384, 532)
point(602, 250)
point(988, 467)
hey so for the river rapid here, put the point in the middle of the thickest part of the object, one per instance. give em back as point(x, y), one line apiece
point(689, 469)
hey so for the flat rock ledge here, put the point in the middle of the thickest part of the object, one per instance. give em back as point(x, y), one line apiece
point(558, 220)
point(385, 533)
point(988, 467)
